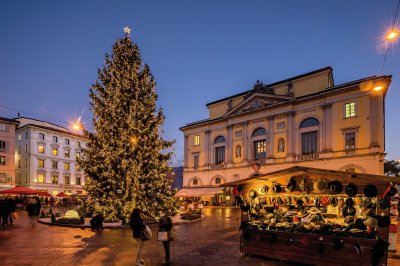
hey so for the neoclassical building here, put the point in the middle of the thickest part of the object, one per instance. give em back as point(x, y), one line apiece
point(306, 120)
point(45, 157)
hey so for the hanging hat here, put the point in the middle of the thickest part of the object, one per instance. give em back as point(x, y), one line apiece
point(291, 186)
point(371, 222)
point(325, 201)
point(349, 202)
point(276, 188)
point(263, 189)
point(383, 221)
point(333, 201)
point(252, 194)
point(384, 203)
point(393, 191)
point(349, 219)
point(370, 191)
point(317, 202)
point(235, 191)
point(358, 201)
point(351, 190)
point(335, 187)
point(349, 210)
point(320, 186)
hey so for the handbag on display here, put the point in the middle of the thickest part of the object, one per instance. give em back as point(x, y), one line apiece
point(162, 236)
point(146, 233)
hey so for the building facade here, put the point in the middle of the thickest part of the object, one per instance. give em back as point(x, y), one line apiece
point(7, 154)
point(305, 120)
point(45, 157)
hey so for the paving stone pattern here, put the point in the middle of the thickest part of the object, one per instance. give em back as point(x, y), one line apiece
point(212, 241)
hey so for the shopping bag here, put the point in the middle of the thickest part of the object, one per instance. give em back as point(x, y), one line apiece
point(162, 236)
point(146, 233)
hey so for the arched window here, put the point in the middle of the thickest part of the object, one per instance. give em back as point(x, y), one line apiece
point(195, 182)
point(309, 138)
point(259, 137)
point(219, 139)
point(259, 132)
point(309, 122)
point(219, 149)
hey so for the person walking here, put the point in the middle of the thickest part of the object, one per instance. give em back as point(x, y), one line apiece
point(31, 209)
point(137, 225)
point(166, 226)
point(4, 212)
point(38, 206)
point(11, 208)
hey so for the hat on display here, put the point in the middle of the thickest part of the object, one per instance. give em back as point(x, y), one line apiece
point(276, 188)
point(349, 210)
point(383, 221)
point(371, 222)
point(291, 186)
point(325, 201)
point(349, 202)
point(351, 190)
point(252, 194)
point(370, 191)
point(393, 191)
point(320, 186)
point(358, 201)
point(349, 219)
point(384, 203)
point(335, 187)
point(333, 201)
point(263, 189)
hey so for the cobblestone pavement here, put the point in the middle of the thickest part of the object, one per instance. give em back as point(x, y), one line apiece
point(213, 241)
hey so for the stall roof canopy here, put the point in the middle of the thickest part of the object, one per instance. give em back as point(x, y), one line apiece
point(198, 192)
point(298, 170)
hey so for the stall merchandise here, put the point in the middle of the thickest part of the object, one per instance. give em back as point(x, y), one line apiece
point(316, 216)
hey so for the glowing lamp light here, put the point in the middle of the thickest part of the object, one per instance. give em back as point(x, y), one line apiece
point(133, 140)
point(392, 35)
point(77, 125)
point(378, 88)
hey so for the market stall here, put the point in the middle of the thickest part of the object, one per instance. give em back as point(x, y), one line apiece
point(316, 216)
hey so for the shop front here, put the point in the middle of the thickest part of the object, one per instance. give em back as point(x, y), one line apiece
point(315, 216)
point(208, 196)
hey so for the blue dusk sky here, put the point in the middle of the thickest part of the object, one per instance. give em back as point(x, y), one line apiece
point(198, 51)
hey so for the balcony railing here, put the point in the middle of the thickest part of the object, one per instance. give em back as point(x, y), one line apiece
point(306, 157)
point(350, 151)
point(217, 166)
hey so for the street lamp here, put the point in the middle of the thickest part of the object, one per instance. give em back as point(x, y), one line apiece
point(77, 125)
point(392, 35)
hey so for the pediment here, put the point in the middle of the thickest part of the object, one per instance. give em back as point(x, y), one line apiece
point(258, 101)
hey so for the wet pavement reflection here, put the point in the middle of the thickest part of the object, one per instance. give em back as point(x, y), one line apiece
point(212, 241)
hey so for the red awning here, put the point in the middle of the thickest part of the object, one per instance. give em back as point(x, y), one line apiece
point(44, 194)
point(19, 190)
point(61, 195)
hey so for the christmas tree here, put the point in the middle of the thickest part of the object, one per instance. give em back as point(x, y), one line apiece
point(126, 159)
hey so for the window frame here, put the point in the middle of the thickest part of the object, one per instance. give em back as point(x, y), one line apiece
point(54, 153)
point(41, 136)
point(55, 139)
point(43, 176)
point(196, 159)
point(41, 145)
point(3, 127)
point(257, 154)
point(196, 140)
point(41, 163)
point(353, 112)
point(316, 142)
point(3, 160)
point(54, 177)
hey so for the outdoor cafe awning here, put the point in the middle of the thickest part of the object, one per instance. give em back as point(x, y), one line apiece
point(198, 192)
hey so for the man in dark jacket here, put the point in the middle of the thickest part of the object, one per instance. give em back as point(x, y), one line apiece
point(11, 209)
point(4, 212)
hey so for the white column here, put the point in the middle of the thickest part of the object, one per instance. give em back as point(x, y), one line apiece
point(290, 136)
point(207, 148)
point(229, 144)
point(327, 140)
point(186, 152)
point(245, 142)
point(270, 150)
